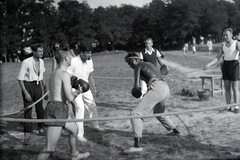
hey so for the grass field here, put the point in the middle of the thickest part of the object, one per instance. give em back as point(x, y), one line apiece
point(205, 135)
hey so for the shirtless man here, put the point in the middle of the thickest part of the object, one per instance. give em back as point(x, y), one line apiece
point(153, 101)
point(60, 90)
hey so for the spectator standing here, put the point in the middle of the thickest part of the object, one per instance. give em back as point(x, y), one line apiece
point(31, 80)
point(194, 51)
point(82, 68)
point(210, 46)
point(230, 68)
point(152, 55)
point(185, 49)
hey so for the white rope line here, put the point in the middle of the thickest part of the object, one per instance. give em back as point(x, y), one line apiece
point(121, 117)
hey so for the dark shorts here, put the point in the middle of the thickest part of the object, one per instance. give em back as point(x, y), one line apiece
point(230, 70)
point(56, 110)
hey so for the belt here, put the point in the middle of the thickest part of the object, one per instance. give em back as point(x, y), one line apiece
point(153, 80)
point(37, 82)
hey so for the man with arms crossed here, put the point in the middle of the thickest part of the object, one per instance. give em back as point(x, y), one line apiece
point(60, 91)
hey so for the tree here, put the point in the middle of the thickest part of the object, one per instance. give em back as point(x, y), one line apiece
point(183, 19)
point(75, 22)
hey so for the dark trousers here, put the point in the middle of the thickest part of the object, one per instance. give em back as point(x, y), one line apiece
point(35, 90)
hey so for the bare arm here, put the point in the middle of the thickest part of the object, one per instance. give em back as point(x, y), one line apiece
point(159, 58)
point(215, 60)
point(92, 82)
point(159, 61)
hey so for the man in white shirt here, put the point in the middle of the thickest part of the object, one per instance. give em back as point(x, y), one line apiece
point(31, 82)
point(82, 67)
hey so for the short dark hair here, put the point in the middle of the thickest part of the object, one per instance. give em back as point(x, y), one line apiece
point(35, 46)
point(149, 39)
point(60, 55)
point(131, 55)
point(64, 46)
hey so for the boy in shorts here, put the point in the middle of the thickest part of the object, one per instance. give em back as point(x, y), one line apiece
point(60, 91)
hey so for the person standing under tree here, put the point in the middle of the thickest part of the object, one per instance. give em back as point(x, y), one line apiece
point(31, 80)
point(185, 49)
point(151, 55)
point(230, 68)
point(210, 46)
point(194, 51)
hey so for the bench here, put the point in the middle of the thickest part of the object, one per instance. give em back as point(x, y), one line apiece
point(212, 78)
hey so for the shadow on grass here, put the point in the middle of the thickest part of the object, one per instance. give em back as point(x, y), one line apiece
point(21, 154)
point(156, 146)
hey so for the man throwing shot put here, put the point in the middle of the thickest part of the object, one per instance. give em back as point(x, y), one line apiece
point(154, 100)
point(60, 91)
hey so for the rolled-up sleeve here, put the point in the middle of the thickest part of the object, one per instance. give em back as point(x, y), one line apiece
point(158, 54)
point(23, 71)
point(141, 55)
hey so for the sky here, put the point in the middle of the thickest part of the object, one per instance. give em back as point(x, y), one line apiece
point(106, 3)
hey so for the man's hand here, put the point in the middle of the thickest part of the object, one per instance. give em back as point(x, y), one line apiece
point(206, 67)
point(28, 97)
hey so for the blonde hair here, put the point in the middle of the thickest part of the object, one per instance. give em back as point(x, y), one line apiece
point(149, 39)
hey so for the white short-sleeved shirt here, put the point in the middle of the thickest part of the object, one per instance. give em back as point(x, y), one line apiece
point(28, 71)
point(80, 69)
point(158, 55)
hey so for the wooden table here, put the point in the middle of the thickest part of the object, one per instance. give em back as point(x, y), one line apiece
point(212, 78)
